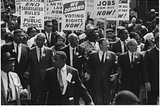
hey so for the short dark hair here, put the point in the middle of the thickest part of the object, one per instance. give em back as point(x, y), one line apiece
point(62, 55)
point(45, 23)
point(133, 34)
point(101, 40)
point(17, 31)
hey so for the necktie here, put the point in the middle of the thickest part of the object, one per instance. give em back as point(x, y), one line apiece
point(49, 38)
point(60, 80)
point(17, 50)
point(40, 54)
point(124, 46)
point(132, 59)
point(9, 91)
point(73, 50)
point(102, 57)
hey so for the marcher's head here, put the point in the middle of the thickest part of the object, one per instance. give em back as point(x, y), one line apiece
point(132, 45)
point(55, 24)
point(7, 62)
point(135, 36)
point(123, 34)
point(18, 35)
point(40, 39)
point(48, 26)
point(59, 45)
point(12, 25)
point(104, 44)
point(32, 31)
point(126, 97)
point(73, 40)
point(92, 33)
point(59, 59)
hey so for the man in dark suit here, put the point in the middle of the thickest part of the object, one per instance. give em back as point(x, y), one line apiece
point(119, 46)
point(151, 72)
point(50, 36)
point(131, 66)
point(102, 63)
point(40, 60)
point(20, 52)
point(75, 54)
point(61, 82)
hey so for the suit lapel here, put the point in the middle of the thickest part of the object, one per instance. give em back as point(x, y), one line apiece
point(68, 84)
point(36, 55)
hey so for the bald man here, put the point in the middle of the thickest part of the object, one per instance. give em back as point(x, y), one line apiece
point(126, 97)
point(75, 55)
point(40, 60)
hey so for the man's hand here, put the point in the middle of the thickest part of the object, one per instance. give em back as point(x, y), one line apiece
point(91, 103)
point(87, 76)
point(148, 86)
point(113, 77)
point(26, 74)
point(24, 93)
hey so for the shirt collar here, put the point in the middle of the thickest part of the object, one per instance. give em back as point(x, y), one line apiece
point(15, 44)
point(63, 68)
point(41, 48)
point(130, 53)
point(157, 48)
point(71, 48)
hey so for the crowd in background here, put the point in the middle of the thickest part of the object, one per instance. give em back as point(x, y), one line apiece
point(126, 60)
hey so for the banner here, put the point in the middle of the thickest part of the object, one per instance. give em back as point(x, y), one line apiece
point(73, 15)
point(32, 14)
point(90, 8)
point(123, 12)
point(18, 7)
point(106, 8)
point(53, 9)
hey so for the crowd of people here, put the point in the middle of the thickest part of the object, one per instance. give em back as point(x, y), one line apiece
point(61, 67)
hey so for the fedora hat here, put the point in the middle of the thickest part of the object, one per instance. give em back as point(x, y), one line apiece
point(6, 57)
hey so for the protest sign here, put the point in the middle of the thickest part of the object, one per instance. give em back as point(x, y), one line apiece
point(90, 8)
point(123, 12)
point(73, 15)
point(106, 8)
point(53, 9)
point(18, 7)
point(2, 6)
point(32, 14)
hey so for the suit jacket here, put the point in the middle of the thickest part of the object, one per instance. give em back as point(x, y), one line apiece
point(38, 69)
point(22, 65)
point(101, 71)
point(151, 68)
point(51, 85)
point(17, 86)
point(54, 36)
point(131, 74)
point(116, 47)
point(79, 58)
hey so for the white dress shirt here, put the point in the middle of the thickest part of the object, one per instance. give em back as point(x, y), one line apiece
point(63, 71)
point(71, 54)
point(38, 52)
point(19, 50)
point(130, 56)
point(122, 46)
point(100, 55)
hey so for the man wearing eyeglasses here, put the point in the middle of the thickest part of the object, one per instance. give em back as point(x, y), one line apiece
point(50, 37)
point(130, 64)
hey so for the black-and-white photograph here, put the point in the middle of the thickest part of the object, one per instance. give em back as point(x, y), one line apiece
point(80, 52)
